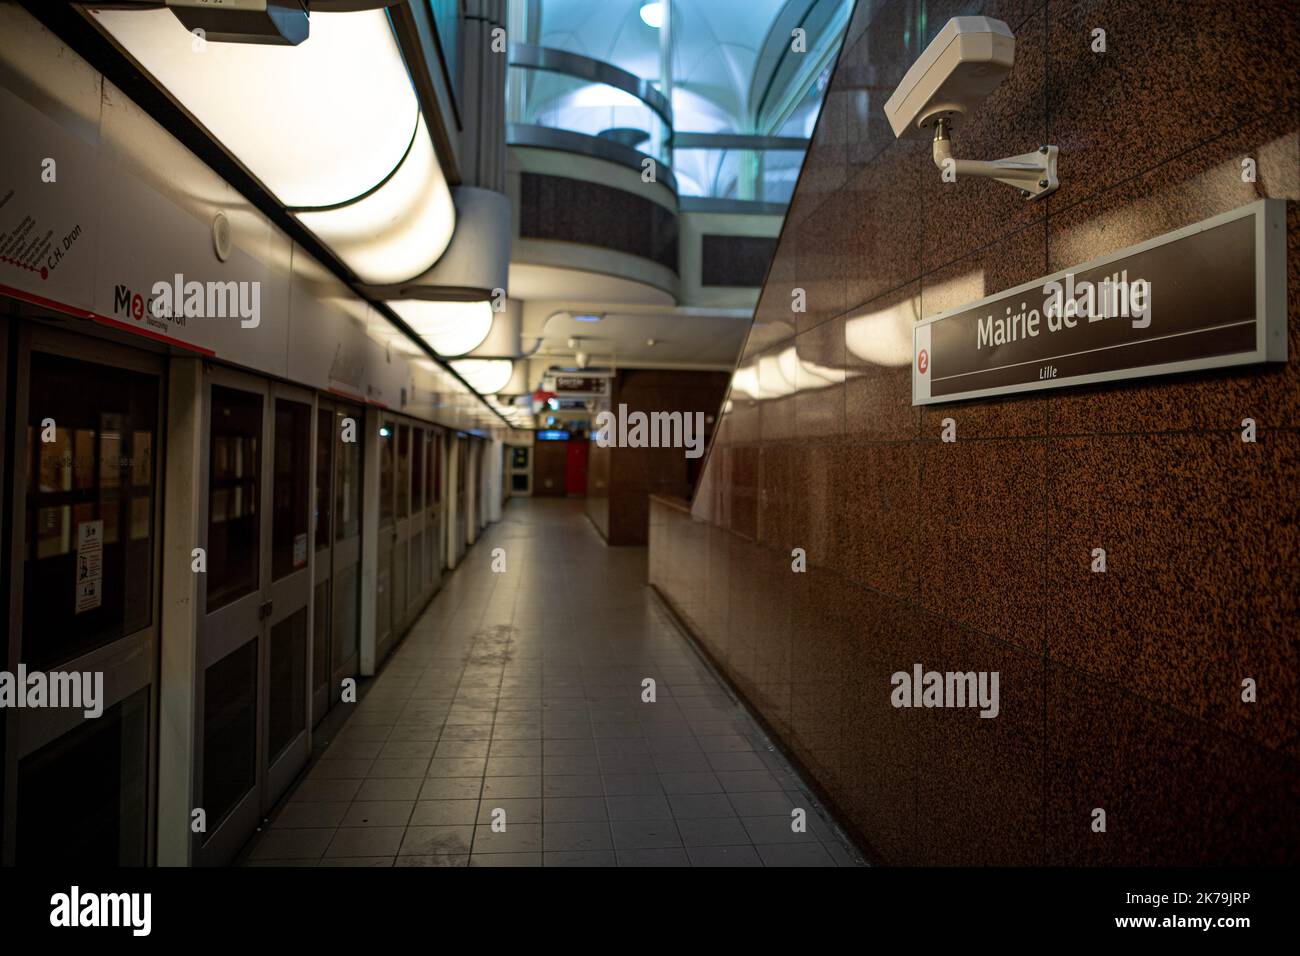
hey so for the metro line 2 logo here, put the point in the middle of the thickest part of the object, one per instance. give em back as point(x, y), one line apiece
point(139, 307)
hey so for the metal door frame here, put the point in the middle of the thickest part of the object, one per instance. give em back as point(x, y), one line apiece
point(416, 586)
point(323, 571)
point(287, 596)
point(433, 509)
point(403, 526)
point(218, 634)
point(256, 613)
point(347, 553)
point(130, 663)
point(387, 540)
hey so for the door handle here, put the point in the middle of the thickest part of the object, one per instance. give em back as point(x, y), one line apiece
point(264, 611)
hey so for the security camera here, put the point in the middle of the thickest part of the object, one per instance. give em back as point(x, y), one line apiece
point(275, 22)
point(963, 64)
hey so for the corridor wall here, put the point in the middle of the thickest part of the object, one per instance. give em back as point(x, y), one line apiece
point(1120, 691)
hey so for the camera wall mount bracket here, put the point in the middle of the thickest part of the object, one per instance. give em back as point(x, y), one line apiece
point(1033, 174)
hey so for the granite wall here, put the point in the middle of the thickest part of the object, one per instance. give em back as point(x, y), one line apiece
point(598, 488)
point(1119, 691)
point(550, 462)
point(621, 479)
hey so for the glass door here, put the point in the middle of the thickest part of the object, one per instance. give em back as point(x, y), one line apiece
point(336, 594)
point(432, 505)
point(322, 544)
point(460, 532)
point(417, 587)
point(468, 476)
point(446, 498)
point(387, 537)
point(82, 580)
point(403, 529)
point(345, 606)
point(286, 663)
point(252, 696)
point(230, 641)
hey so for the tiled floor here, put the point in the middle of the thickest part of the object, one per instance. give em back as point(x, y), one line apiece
point(518, 695)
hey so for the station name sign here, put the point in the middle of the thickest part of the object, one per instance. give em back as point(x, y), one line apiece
point(1207, 296)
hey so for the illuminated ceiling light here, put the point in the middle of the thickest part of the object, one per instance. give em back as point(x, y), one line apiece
point(587, 318)
point(318, 123)
point(485, 376)
point(652, 13)
point(333, 122)
point(450, 328)
point(602, 96)
point(400, 229)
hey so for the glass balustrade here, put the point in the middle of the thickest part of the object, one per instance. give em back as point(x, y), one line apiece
point(756, 169)
point(734, 128)
point(559, 91)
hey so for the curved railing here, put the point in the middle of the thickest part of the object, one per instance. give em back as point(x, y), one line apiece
point(573, 103)
point(561, 100)
point(733, 171)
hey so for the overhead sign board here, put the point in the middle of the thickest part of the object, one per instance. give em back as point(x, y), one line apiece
point(1207, 296)
point(586, 385)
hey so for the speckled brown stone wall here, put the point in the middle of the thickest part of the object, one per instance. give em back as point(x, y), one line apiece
point(550, 459)
point(597, 503)
point(636, 473)
point(1119, 691)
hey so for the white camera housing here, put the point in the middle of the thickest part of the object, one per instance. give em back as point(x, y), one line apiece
point(963, 64)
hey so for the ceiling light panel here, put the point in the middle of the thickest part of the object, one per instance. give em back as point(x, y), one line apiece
point(485, 376)
point(318, 124)
point(400, 229)
point(450, 328)
point(333, 122)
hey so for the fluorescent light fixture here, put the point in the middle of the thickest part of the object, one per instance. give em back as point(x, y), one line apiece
point(485, 376)
point(587, 318)
point(319, 124)
point(652, 13)
point(400, 229)
point(450, 328)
